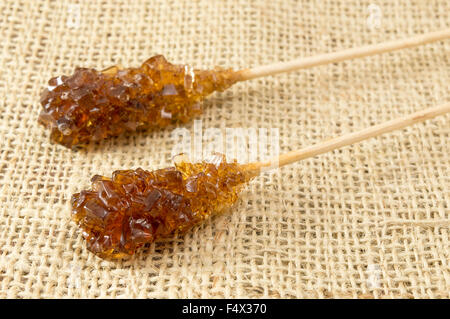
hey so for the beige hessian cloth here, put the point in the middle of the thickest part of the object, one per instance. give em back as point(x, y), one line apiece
point(366, 221)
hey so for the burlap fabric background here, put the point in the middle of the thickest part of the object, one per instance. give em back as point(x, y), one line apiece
point(366, 221)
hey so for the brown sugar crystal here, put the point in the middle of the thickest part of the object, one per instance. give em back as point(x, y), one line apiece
point(135, 207)
point(91, 105)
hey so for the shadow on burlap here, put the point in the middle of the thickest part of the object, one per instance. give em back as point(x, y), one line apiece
point(366, 221)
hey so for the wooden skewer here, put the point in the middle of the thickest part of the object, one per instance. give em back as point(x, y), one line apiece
point(355, 137)
point(348, 54)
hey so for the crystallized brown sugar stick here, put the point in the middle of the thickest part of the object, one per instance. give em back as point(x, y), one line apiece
point(92, 105)
point(135, 207)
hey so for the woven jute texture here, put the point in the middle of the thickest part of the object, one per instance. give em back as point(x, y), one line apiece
point(367, 221)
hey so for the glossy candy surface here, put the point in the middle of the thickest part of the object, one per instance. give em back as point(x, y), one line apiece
point(134, 207)
point(91, 105)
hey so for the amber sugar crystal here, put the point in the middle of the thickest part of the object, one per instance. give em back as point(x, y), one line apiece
point(135, 207)
point(92, 105)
